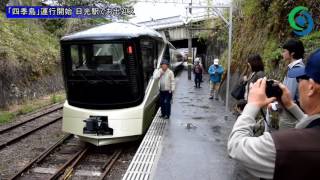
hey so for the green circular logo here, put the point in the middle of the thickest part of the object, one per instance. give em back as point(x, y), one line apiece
point(301, 21)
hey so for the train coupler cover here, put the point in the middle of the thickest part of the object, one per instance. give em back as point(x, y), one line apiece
point(97, 125)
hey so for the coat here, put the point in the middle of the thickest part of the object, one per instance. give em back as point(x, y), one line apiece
point(215, 73)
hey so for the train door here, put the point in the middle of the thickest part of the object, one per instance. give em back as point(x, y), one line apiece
point(149, 58)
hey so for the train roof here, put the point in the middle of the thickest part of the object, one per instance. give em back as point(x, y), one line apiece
point(116, 30)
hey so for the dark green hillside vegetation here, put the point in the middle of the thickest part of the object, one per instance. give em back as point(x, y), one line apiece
point(261, 26)
point(29, 52)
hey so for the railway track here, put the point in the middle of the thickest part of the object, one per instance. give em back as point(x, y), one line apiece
point(34, 122)
point(71, 159)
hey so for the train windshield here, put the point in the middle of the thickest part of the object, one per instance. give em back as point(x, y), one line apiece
point(99, 57)
point(102, 75)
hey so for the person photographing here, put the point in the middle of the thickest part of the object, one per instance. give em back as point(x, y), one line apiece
point(288, 154)
point(166, 87)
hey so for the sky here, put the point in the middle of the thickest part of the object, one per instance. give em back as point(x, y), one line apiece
point(148, 11)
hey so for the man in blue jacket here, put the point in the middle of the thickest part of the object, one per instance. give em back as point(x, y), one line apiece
point(215, 71)
point(293, 52)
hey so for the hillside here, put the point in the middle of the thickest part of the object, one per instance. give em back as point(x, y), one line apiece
point(261, 26)
point(28, 52)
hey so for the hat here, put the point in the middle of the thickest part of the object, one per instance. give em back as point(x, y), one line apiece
point(216, 61)
point(311, 70)
point(164, 61)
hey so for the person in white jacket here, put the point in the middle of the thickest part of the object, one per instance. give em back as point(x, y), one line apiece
point(166, 87)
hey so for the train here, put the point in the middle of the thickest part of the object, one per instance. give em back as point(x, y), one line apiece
point(111, 95)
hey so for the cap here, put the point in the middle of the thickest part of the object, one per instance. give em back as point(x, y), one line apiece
point(216, 61)
point(311, 70)
point(164, 61)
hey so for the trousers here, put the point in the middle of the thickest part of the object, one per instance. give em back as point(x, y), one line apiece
point(165, 103)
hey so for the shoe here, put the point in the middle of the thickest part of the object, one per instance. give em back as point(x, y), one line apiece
point(217, 99)
point(199, 87)
point(210, 97)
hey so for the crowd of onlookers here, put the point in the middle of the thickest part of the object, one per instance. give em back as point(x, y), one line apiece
point(290, 150)
point(286, 150)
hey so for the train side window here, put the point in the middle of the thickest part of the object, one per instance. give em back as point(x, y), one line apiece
point(148, 57)
point(167, 53)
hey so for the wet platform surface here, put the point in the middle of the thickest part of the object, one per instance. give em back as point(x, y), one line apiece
point(194, 141)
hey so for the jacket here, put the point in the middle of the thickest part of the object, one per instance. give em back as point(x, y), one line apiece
point(252, 79)
point(197, 69)
point(291, 83)
point(296, 161)
point(215, 73)
point(258, 154)
point(167, 77)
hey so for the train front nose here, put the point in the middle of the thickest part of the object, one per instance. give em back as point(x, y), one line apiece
point(102, 127)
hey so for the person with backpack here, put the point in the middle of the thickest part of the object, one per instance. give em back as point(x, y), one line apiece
point(197, 70)
point(215, 71)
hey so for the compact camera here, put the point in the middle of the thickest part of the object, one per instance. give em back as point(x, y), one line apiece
point(273, 89)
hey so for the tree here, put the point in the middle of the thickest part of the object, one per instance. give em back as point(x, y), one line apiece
point(3, 4)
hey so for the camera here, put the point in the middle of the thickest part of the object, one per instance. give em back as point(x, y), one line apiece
point(273, 89)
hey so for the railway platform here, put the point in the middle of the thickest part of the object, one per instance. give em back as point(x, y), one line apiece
point(192, 144)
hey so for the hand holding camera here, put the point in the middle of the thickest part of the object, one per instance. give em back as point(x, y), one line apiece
point(264, 92)
point(257, 94)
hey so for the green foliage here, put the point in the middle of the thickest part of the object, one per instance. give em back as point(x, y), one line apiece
point(57, 98)
point(6, 117)
point(311, 42)
point(26, 109)
point(28, 46)
point(250, 7)
point(262, 26)
point(30, 106)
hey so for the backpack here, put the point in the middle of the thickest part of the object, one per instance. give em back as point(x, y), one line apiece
point(197, 69)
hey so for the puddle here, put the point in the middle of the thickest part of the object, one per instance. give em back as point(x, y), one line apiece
point(204, 107)
point(190, 126)
point(184, 102)
point(216, 129)
point(198, 118)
